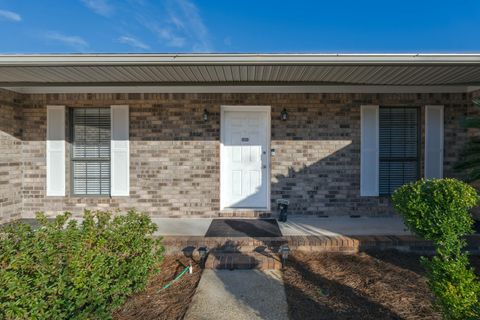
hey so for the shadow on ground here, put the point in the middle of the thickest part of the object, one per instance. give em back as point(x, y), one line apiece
point(354, 286)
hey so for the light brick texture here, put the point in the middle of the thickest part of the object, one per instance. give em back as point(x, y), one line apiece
point(10, 157)
point(175, 154)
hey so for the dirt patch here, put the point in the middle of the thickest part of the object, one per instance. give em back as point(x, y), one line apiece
point(377, 285)
point(155, 303)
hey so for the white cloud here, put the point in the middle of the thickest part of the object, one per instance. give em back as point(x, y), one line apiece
point(101, 7)
point(10, 16)
point(183, 26)
point(75, 42)
point(176, 21)
point(170, 37)
point(131, 41)
point(185, 15)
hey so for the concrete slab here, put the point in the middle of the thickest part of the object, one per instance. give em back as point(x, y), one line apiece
point(182, 226)
point(295, 226)
point(239, 295)
point(347, 226)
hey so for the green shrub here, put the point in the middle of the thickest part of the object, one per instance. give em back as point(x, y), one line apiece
point(455, 286)
point(438, 210)
point(70, 270)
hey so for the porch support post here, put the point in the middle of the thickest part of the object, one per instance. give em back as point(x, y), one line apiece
point(434, 142)
point(369, 155)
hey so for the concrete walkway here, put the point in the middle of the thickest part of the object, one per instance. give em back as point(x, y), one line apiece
point(182, 226)
point(346, 226)
point(239, 295)
point(296, 226)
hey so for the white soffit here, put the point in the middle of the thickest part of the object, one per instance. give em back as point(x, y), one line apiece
point(240, 72)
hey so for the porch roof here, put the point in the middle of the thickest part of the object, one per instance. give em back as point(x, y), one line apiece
point(178, 72)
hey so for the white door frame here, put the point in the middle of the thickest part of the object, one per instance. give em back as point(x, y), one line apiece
point(248, 108)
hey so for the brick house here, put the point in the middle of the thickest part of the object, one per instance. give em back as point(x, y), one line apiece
point(208, 135)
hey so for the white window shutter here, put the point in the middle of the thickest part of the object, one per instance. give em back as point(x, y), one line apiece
point(55, 150)
point(433, 142)
point(369, 154)
point(120, 152)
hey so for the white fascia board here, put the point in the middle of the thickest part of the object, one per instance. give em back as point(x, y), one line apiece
point(201, 59)
point(241, 89)
point(473, 88)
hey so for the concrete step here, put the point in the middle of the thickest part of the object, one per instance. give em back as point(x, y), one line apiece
point(243, 260)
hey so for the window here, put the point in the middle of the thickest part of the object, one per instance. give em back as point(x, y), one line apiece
point(91, 151)
point(399, 158)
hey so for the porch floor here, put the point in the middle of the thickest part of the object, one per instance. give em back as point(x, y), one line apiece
point(303, 233)
point(296, 226)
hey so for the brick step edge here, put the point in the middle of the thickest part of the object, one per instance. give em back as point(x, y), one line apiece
point(242, 261)
point(310, 243)
point(244, 214)
point(408, 243)
point(240, 244)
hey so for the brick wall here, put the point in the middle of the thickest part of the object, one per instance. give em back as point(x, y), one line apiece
point(10, 157)
point(175, 155)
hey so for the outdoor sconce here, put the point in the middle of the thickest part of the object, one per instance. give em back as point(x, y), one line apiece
point(188, 251)
point(284, 251)
point(284, 114)
point(205, 115)
point(202, 251)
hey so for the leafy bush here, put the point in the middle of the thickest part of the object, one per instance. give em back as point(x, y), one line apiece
point(70, 270)
point(455, 286)
point(438, 210)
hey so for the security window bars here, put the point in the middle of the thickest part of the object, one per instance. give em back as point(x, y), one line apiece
point(399, 147)
point(91, 151)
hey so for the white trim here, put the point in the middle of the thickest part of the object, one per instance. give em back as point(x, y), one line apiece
point(473, 88)
point(251, 108)
point(55, 152)
point(120, 147)
point(441, 137)
point(254, 58)
point(224, 108)
point(244, 89)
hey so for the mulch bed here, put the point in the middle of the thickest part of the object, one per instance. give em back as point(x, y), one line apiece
point(377, 285)
point(171, 303)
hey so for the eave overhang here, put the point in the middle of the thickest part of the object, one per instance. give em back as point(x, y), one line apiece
point(188, 72)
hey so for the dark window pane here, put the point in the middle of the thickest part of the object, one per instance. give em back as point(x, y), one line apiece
point(398, 148)
point(91, 151)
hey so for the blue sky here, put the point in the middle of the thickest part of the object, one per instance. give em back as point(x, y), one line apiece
point(65, 26)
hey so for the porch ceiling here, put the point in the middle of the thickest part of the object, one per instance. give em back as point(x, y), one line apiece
point(240, 69)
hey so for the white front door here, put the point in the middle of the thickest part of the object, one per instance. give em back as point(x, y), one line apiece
point(245, 158)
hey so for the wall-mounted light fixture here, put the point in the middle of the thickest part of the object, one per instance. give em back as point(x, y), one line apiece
point(203, 252)
point(205, 115)
point(284, 115)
